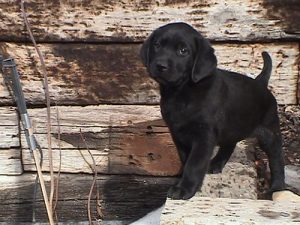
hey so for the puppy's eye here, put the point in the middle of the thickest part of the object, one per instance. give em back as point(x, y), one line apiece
point(183, 51)
point(156, 45)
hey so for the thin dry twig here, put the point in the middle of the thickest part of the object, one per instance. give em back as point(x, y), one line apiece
point(94, 170)
point(59, 168)
point(36, 182)
point(48, 110)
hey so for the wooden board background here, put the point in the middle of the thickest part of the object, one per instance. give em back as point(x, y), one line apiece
point(122, 139)
point(84, 74)
point(102, 90)
point(126, 21)
point(138, 194)
point(10, 147)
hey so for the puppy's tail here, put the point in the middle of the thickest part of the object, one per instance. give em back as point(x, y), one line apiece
point(265, 74)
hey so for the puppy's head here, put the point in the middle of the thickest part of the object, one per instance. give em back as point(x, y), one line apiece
point(177, 53)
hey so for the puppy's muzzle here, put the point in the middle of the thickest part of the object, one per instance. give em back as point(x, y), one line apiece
point(162, 66)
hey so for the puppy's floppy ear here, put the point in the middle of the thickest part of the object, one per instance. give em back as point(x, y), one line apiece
point(145, 49)
point(205, 61)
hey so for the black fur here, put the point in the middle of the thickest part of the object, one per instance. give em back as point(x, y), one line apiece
point(204, 106)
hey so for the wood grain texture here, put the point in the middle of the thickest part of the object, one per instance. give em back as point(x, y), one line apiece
point(121, 197)
point(82, 74)
point(207, 211)
point(10, 162)
point(246, 59)
point(10, 149)
point(122, 139)
point(9, 130)
point(298, 87)
point(102, 20)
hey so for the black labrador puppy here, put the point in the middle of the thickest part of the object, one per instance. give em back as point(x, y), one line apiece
point(204, 106)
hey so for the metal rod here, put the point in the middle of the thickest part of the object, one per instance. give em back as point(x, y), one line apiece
point(30, 138)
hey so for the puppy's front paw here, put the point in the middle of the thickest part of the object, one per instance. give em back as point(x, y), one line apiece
point(179, 193)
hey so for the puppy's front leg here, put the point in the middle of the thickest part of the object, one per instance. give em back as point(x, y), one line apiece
point(195, 167)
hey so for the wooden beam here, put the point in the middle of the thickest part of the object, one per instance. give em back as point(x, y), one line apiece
point(10, 162)
point(81, 74)
point(129, 140)
point(207, 211)
point(298, 87)
point(122, 139)
point(121, 197)
point(246, 59)
point(10, 149)
point(99, 20)
point(9, 130)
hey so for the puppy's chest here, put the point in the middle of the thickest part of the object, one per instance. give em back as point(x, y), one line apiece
point(178, 113)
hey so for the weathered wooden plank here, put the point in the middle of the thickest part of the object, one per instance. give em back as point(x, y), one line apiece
point(10, 162)
point(9, 136)
point(283, 81)
point(121, 197)
point(135, 149)
point(9, 131)
point(128, 140)
point(298, 87)
point(92, 74)
point(10, 150)
point(99, 20)
point(106, 222)
point(122, 139)
point(82, 74)
point(206, 211)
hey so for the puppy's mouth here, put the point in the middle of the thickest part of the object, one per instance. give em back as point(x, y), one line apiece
point(160, 80)
point(166, 82)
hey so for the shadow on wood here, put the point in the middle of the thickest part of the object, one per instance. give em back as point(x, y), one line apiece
point(121, 197)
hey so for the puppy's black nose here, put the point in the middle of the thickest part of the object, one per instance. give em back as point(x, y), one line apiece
point(161, 66)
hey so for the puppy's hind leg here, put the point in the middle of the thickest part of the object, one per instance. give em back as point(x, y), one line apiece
point(182, 149)
point(219, 161)
point(269, 140)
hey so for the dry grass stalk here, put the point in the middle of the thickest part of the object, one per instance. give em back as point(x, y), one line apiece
point(94, 182)
point(50, 202)
point(59, 168)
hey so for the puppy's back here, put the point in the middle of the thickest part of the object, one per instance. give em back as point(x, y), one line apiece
point(246, 92)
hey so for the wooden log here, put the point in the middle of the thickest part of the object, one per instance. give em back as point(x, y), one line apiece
point(206, 211)
point(99, 20)
point(122, 139)
point(10, 162)
point(127, 140)
point(10, 150)
point(298, 87)
point(82, 74)
point(130, 140)
point(9, 131)
point(121, 197)
point(107, 222)
point(284, 58)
